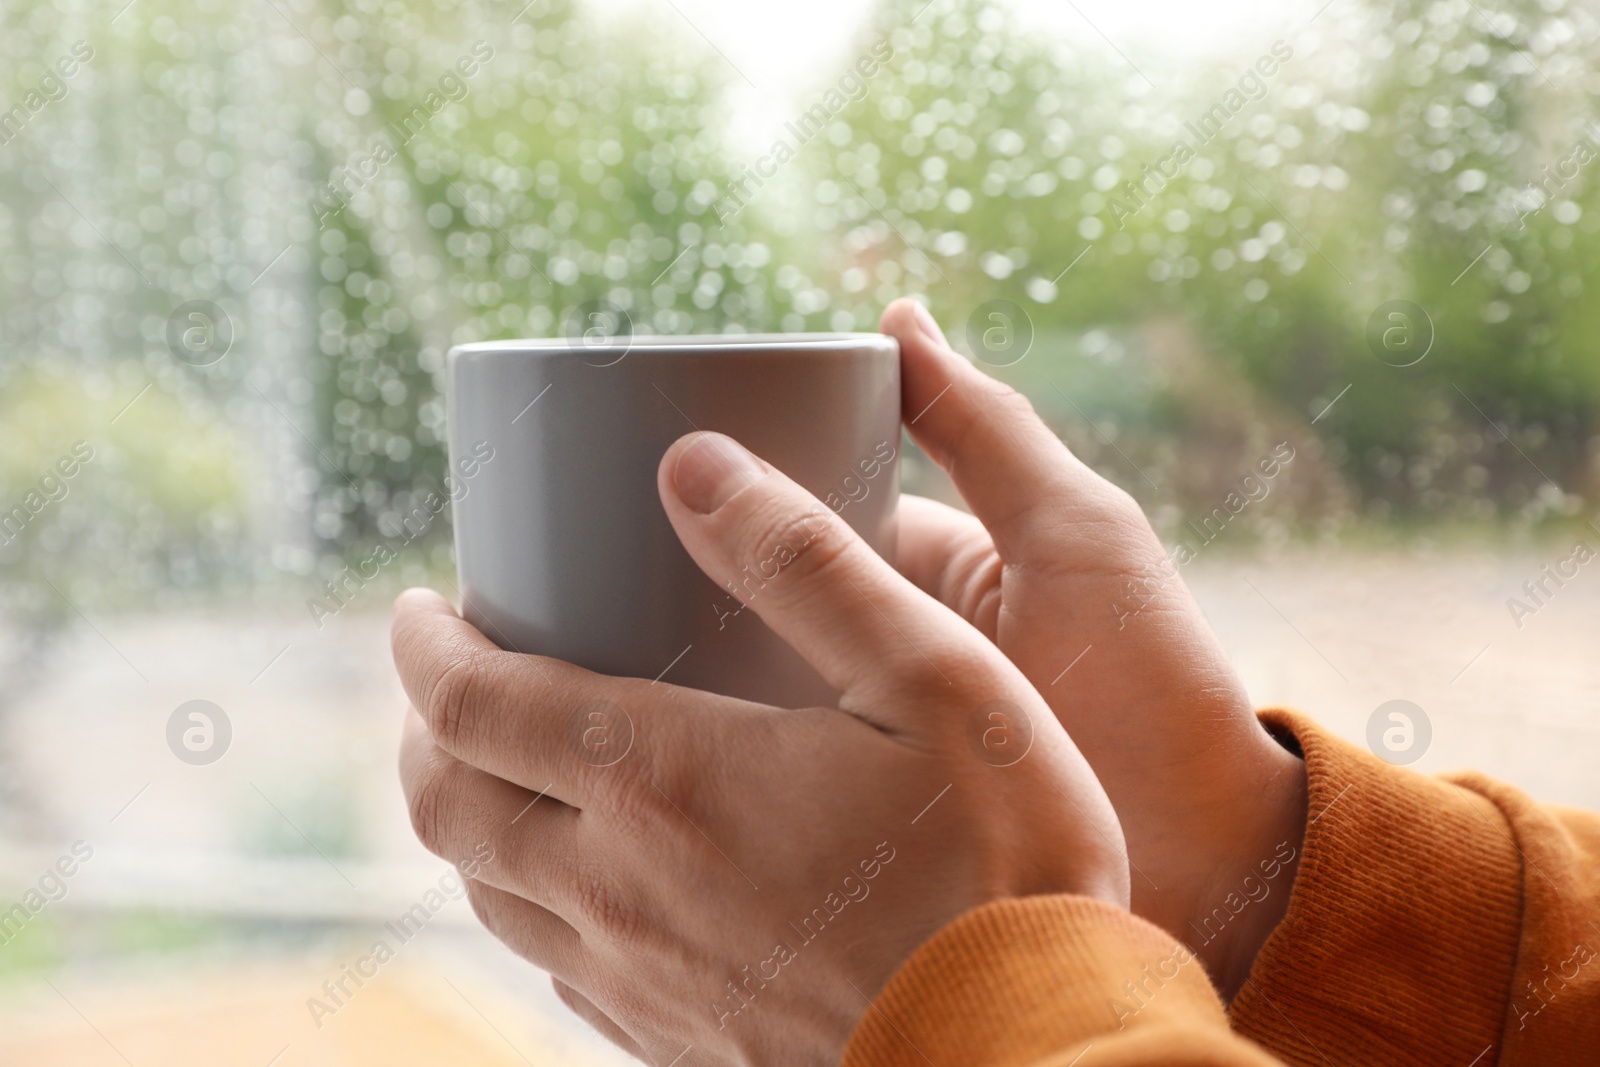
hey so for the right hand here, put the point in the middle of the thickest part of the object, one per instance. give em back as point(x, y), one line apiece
point(724, 842)
point(1043, 568)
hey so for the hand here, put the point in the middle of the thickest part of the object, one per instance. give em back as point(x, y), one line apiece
point(727, 875)
point(1062, 571)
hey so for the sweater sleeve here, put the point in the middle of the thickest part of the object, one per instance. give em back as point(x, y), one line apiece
point(1044, 982)
point(1432, 921)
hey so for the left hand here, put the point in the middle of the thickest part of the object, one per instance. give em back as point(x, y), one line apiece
point(1061, 569)
point(721, 874)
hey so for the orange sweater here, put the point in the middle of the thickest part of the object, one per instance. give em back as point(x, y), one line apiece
point(1451, 922)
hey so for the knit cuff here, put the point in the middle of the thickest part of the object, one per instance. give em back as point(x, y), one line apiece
point(1017, 981)
point(1401, 932)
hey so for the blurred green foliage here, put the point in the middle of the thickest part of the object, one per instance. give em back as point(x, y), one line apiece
point(1430, 152)
point(56, 936)
point(88, 482)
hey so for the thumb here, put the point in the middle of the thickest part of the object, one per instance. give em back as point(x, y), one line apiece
point(1022, 483)
point(808, 575)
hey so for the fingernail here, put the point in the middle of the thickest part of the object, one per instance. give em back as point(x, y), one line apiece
point(929, 327)
point(712, 470)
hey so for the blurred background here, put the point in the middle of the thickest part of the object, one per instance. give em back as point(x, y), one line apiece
point(236, 241)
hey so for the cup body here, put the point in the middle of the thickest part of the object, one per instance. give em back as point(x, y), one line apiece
point(562, 545)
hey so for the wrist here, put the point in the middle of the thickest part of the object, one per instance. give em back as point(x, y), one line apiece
point(1255, 868)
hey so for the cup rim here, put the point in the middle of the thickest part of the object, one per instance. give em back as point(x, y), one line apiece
point(680, 344)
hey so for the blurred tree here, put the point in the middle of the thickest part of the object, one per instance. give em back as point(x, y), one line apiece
point(1373, 158)
point(1191, 308)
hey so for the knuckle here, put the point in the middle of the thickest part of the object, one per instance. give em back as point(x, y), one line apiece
point(1123, 507)
point(802, 544)
point(975, 584)
point(483, 906)
point(598, 906)
point(625, 1008)
point(450, 701)
point(1130, 537)
point(568, 996)
point(430, 805)
point(935, 673)
point(632, 803)
point(1003, 405)
point(1010, 401)
point(994, 411)
point(963, 673)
